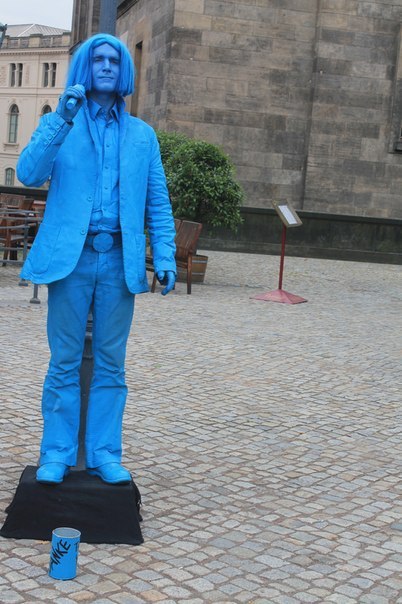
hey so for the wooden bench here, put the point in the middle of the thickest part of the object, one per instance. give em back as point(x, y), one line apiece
point(187, 235)
point(14, 227)
point(19, 222)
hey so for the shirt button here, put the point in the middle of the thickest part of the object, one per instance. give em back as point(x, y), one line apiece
point(83, 231)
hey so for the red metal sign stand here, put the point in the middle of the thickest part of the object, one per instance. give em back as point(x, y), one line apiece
point(280, 295)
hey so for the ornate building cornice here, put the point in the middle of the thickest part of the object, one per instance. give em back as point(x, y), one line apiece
point(33, 51)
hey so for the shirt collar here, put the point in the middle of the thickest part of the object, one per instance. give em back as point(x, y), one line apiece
point(94, 109)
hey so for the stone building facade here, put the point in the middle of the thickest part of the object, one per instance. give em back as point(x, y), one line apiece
point(304, 95)
point(33, 67)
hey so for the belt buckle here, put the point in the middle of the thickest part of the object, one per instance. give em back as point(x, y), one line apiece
point(102, 242)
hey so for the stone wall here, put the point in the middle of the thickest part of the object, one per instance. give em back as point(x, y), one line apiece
point(356, 118)
point(240, 77)
point(146, 27)
point(304, 95)
point(85, 20)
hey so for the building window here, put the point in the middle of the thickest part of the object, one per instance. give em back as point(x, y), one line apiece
point(46, 109)
point(49, 75)
point(13, 124)
point(10, 177)
point(16, 74)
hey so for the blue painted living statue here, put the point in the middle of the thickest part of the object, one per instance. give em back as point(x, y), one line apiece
point(106, 183)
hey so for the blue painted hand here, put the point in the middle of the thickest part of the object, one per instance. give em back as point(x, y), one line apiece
point(70, 102)
point(167, 278)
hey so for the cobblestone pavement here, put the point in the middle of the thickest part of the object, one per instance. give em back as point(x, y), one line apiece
point(264, 437)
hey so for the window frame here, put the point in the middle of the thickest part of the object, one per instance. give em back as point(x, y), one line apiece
point(16, 71)
point(9, 177)
point(49, 75)
point(14, 114)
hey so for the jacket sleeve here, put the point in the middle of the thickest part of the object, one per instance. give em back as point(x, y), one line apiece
point(35, 163)
point(158, 216)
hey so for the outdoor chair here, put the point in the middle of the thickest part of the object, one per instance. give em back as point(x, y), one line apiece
point(187, 235)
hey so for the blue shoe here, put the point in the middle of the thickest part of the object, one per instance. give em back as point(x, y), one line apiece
point(52, 473)
point(112, 473)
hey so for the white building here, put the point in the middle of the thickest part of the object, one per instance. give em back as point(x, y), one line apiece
point(33, 66)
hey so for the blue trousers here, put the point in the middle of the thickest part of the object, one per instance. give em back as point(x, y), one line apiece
point(97, 281)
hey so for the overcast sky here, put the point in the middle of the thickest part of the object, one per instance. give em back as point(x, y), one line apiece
point(56, 13)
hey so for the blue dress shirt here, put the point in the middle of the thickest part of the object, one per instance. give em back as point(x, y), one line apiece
point(105, 211)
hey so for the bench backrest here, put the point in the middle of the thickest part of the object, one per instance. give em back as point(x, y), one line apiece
point(187, 237)
point(21, 202)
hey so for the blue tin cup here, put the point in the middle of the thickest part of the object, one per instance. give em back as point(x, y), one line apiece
point(64, 553)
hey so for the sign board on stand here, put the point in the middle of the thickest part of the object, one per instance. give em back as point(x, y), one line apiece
point(289, 218)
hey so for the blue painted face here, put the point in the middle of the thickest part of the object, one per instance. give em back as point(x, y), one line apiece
point(105, 69)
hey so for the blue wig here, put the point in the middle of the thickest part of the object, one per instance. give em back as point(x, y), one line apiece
point(80, 71)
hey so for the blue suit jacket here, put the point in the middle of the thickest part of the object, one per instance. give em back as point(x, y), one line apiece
point(67, 155)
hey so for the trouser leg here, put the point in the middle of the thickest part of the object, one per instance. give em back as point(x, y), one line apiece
point(69, 301)
point(113, 308)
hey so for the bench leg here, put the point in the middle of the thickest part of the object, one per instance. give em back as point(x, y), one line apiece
point(189, 273)
point(5, 255)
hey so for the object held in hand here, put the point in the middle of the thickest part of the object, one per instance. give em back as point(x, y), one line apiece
point(71, 103)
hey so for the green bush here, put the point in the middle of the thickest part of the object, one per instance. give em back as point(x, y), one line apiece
point(169, 142)
point(201, 181)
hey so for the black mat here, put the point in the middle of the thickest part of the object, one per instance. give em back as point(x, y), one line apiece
point(103, 513)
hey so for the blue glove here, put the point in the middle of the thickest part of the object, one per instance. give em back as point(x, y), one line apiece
point(167, 278)
point(70, 102)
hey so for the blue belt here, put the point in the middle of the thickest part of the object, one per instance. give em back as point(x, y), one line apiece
point(103, 242)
